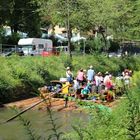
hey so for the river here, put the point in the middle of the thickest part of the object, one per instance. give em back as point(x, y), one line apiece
point(39, 119)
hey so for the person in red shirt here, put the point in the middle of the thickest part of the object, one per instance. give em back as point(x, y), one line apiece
point(109, 83)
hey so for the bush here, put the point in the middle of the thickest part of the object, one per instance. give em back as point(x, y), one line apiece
point(20, 77)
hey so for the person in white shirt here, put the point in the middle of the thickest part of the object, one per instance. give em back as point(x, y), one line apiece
point(98, 81)
point(126, 79)
point(106, 79)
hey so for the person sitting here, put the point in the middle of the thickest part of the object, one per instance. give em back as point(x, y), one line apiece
point(86, 90)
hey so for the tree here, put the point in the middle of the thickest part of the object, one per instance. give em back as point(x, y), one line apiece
point(20, 16)
point(125, 23)
point(60, 12)
point(117, 17)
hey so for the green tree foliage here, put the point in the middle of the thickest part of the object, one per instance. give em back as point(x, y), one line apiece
point(20, 16)
point(118, 17)
point(57, 11)
point(105, 17)
point(94, 45)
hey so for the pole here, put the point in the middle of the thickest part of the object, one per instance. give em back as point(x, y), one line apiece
point(84, 46)
point(0, 48)
point(12, 118)
point(68, 29)
point(43, 99)
point(15, 49)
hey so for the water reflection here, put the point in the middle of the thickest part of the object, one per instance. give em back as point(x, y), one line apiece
point(39, 119)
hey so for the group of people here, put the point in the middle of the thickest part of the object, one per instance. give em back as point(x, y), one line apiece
point(82, 75)
point(88, 81)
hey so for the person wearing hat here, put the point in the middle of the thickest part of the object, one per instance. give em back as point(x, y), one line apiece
point(90, 74)
point(106, 73)
point(69, 75)
point(98, 81)
point(80, 76)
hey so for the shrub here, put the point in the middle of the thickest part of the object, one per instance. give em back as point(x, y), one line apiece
point(21, 76)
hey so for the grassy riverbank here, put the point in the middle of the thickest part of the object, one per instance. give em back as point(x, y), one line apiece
point(99, 122)
point(20, 77)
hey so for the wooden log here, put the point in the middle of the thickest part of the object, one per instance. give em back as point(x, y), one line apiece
point(15, 116)
point(42, 100)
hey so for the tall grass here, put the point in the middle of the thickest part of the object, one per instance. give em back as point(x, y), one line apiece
point(21, 76)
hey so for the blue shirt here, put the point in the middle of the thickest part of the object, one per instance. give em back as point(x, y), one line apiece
point(90, 74)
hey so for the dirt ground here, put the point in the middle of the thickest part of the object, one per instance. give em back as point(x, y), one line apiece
point(57, 104)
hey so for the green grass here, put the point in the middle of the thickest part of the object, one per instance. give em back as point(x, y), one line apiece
point(21, 76)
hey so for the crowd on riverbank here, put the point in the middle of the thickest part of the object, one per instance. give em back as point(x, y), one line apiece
point(105, 84)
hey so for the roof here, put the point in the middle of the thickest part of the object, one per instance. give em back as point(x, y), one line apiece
point(29, 41)
point(26, 41)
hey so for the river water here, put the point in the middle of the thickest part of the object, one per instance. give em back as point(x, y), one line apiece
point(14, 130)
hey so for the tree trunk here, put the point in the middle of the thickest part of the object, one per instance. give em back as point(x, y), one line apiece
point(13, 29)
point(68, 29)
point(106, 48)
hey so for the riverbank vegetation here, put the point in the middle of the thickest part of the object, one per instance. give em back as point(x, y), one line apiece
point(21, 74)
point(20, 77)
point(103, 123)
point(122, 123)
point(97, 21)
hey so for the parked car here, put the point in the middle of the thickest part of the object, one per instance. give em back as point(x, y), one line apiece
point(12, 51)
point(113, 54)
